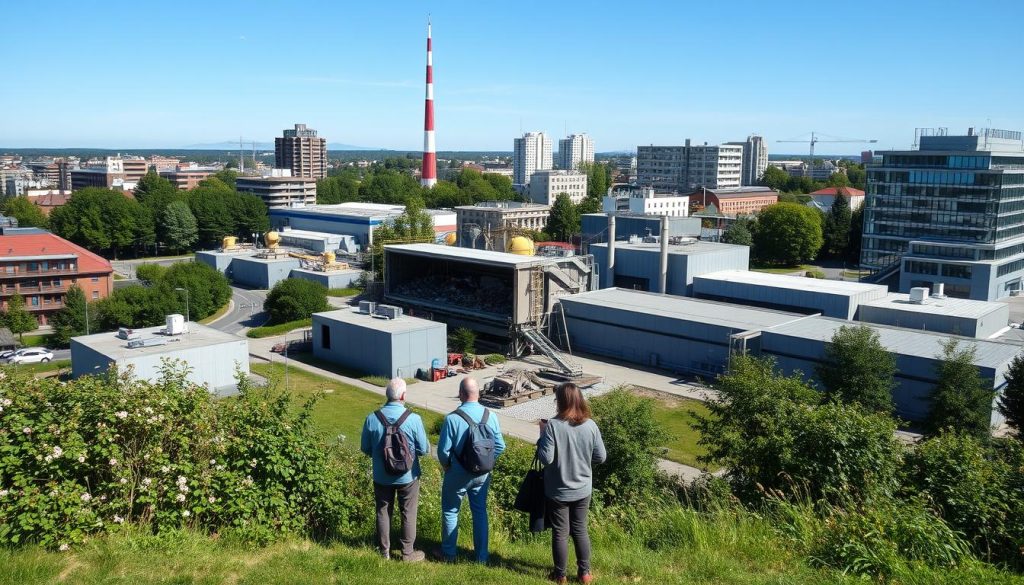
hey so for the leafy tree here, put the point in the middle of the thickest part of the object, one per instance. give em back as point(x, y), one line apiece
point(631, 436)
point(338, 189)
point(502, 186)
point(69, 321)
point(962, 399)
point(564, 219)
point(775, 178)
point(250, 215)
point(774, 439)
point(17, 318)
point(150, 274)
point(27, 213)
point(103, 221)
point(856, 235)
point(226, 176)
point(739, 232)
point(1011, 403)
point(208, 289)
point(787, 234)
point(154, 190)
point(857, 176)
point(858, 370)
point(838, 179)
point(463, 340)
point(448, 194)
point(414, 225)
point(590, 204)
point(598, 178)
point(133, 306)
point(178, 227)
point(389, 186)
point(836, 230)
point(211, 206)
point(295, 298)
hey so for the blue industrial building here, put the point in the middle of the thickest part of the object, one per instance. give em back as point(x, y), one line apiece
point(354, 219)
point(638, 263)
point(594, 226)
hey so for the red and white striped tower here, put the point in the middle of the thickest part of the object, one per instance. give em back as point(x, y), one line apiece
point(429, 176)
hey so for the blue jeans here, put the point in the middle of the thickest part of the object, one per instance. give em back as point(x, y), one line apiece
point(458, 484)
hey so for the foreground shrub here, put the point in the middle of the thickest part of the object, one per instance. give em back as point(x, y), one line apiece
point(293, 299)
point(85, 457)
point(631, 435)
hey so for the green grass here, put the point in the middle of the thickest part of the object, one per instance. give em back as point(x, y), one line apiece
point(382, 381)
point(344, 292)
point(35, 340)
point(676, 415)
point(279, 329)
point(220, 313)
point(343, 407)
point(41, 367)
point(308, 358)
point(119, 276)
point(801, 268)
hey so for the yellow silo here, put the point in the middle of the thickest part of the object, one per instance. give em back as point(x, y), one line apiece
point(272, 239)
point(229, 243)
point(521, 245)
point(450, 239)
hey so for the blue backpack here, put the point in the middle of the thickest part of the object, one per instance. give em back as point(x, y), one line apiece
point(477, 456)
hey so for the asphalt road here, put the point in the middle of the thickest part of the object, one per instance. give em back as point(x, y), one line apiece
point(246, 311)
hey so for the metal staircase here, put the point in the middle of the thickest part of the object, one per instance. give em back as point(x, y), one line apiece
point(540, 342)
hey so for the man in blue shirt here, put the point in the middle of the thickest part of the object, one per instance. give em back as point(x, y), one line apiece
point(385, 485)
point(459, 483)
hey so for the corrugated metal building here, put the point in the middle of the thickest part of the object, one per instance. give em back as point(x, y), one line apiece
point(671, 332)
point(800, 345)
point(832, 298)
point(638, 265)
point(979, 319)
point(376, 346)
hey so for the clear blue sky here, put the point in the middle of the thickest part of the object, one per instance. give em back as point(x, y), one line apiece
point(170, 74)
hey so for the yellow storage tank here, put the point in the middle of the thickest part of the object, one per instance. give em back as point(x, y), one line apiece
point(450, 239)
point(521, 245)
point(228, 243)
point(328, 257)
point(272, 239)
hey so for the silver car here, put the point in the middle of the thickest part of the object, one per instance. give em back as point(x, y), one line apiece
point(30, 355)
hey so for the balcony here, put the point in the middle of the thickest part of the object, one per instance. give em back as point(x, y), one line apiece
point(23, 290)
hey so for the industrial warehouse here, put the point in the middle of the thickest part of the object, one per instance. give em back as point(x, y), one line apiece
point(262, 268)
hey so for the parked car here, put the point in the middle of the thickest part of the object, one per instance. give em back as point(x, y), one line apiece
point(6, 354)
point(30, 355)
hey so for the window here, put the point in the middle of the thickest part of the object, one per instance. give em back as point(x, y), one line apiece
point(325, 336)
point(95, 279)
point(95, 294)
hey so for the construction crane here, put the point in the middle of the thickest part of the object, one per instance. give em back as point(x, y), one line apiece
point(814, 140)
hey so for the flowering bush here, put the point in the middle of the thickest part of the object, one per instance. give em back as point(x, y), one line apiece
point(87, 456)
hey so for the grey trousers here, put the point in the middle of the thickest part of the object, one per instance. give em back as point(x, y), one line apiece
point(569, 518)
point(408, 503)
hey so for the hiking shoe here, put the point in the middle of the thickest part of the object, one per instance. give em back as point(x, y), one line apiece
point(438, 555)
point(414, 557)
point(586, 578)
point(557, 578)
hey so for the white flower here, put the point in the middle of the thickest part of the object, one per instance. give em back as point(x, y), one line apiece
point(220, 468)
point(27, 430)
point(118, 519)
point(112, 462)
point(86, 497)
point(6, 402)
point(81, 458)
point(165, 469)
point(48, 458)
point(124, 480)
point(181, 480)
point(57, 451)
point(211, 499)
point(146, 481)
point(121, 414)
point(148, 410)
point(63, 547)
point(213, 461)
point(186, 513)
point(181, 497)
point(3, 493)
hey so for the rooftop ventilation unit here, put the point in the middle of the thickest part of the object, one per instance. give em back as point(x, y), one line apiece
point(388, 312)
point(939, 290)
point(148, 342)
point(367, 307)
point(126, 333)
point(918, 295)
point(175, 325)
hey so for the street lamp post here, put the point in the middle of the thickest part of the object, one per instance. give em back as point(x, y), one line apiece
point(286, 362)
point(187, 319)
point(86, 316)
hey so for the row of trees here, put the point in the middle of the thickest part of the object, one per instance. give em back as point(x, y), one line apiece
point(159, 217)
point(852, 175)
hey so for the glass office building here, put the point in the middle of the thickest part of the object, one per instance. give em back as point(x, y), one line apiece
point(950, 212)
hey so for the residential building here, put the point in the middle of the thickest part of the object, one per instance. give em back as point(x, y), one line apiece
point(530, 153)
point(799, 168)
point(57, 172)
point(41, 266)
point(735, 201)
point(301, 151)
point(48, 199)
point(280, 189)
point(188, 177)
point(645, 201)
point(755, 159)
point(683, 168)
point(498, 168)
point(163, 163)
point(822, 199)
point(949, 212)
point(491, 225)
point(546, 185)
point(575, 149)
point(19, 186)
point(105, 174)
point(135, 167)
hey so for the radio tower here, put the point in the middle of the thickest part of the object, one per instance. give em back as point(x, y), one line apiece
point(429, 174)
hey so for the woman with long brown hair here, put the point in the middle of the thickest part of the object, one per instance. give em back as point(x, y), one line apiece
point(569, 445)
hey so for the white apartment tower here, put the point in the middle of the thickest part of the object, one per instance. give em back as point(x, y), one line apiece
point(755, 160)
point(530, 153)
point(575, 149)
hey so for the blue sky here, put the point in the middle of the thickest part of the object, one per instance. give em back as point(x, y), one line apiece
point(130, 74)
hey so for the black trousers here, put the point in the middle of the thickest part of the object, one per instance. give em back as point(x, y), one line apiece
point(570, 518)
point(408, 504)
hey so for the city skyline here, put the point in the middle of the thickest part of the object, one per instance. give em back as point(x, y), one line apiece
point(209, 73)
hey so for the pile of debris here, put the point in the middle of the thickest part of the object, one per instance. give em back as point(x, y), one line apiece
point(514, 386)
point(481, 293)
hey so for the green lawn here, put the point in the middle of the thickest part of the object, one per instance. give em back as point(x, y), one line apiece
point(676, 415)
point(344, 292)
point(308, 358)
point(279, 329)
point(802, 268)
point(35, 340)
point(342, 409)
point(41, 368)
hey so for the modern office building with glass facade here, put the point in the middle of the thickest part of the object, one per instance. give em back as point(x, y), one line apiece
point(951, 212)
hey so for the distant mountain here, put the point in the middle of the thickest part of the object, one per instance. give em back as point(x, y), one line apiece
point(266, 146)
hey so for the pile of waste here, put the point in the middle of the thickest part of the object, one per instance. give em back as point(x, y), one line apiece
point(515, 382)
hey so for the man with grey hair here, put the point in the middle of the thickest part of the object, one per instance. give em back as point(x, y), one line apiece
point(383, 426)
point(460, 482)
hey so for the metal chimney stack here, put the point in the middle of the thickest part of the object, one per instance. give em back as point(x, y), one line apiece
point(610, 276)
point(663, 274)
point(428, 178)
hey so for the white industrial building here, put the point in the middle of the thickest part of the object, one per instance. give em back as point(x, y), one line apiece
point(938, 314)
point(547, 185)
point(645, 201)
point(211, 356)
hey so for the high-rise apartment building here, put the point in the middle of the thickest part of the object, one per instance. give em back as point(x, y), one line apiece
point(755, 159)
point(950, 212)
point(530, 153)
point(546, 185)
point(301, 151)
point(575, 149)
point(280, 189)
point(684, 168)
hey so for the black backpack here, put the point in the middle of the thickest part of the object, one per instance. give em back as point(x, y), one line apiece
point(398, 457)
point(477, 456)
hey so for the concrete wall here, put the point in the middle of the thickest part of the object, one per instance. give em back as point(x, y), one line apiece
point(211, 365)
point(381, 353)
point(981, 328)
point(261, 273)
point(216, 260)
point(335, 279)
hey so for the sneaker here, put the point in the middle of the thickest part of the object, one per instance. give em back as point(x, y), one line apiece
point(438, 555)
point(414, 557)
point(586, 578)
point(386, 555)
point(560, 579)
